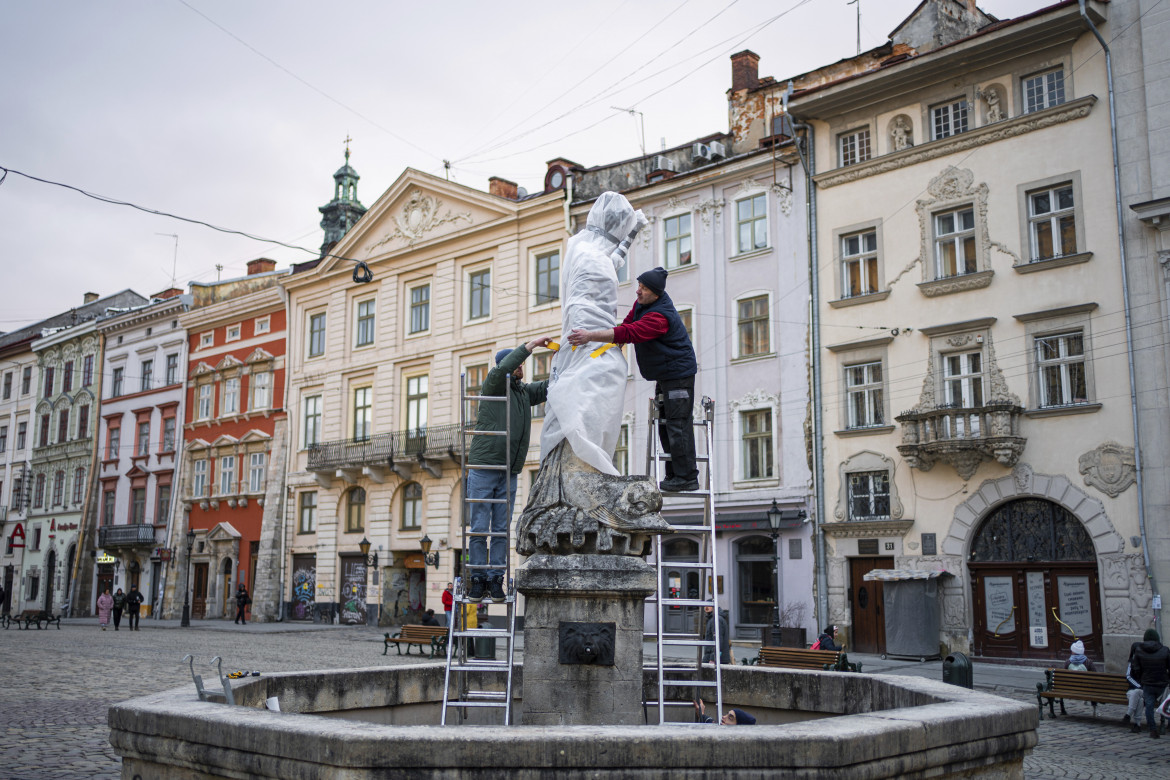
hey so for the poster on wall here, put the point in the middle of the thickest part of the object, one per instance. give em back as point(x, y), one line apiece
point(1001, 604)
point(1076, 613)
point(304, 586)
point(1037, 617)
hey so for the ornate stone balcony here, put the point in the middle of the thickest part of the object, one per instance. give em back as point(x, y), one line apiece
point(375, 456)
point(962, 437)
point(126, 536)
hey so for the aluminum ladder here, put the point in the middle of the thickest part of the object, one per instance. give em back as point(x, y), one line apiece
point(673, 673)
point(462, 666)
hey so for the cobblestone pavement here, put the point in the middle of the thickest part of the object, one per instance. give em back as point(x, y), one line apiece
point(57, 686)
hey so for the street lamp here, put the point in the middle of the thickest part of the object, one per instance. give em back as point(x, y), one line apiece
point(186, 621)
point(371, 560)
point(774, 518)
point(429, 558)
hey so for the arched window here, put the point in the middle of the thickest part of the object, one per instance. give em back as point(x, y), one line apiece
point(58, 488)
point(78, 484)
point(1032, 529)
point(412, 506)
point(355, 510)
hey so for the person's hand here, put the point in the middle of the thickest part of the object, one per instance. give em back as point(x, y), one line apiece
point(538, 342)
point(579, 337)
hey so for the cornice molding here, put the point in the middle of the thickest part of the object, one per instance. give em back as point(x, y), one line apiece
point(857, 529)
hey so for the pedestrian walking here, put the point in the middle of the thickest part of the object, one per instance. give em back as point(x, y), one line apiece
point(1151, 664)
point(134, 601)
point(242, 602)
point(119, 608)
point(105, 605)
point(448, 601)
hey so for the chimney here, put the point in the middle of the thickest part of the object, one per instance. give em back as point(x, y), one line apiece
point(91, 297)
point(745, 70)
point(261, 265)
point(170, 292)
point(502, 188)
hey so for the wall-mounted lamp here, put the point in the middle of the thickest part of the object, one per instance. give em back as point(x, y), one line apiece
point(429, 558)
point(364, 546)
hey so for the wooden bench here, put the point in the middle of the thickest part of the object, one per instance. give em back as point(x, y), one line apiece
point(31, 617)
point(1093, 687)
point(434, 637)
point(813, 660)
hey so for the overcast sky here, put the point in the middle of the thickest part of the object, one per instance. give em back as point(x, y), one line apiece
point(235, 113)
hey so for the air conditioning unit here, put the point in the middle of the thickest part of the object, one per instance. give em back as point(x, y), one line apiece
point(661, 163)
point(718, 150)
point(700, 153)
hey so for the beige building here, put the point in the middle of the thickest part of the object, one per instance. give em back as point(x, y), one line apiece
point(374, 383)
point(974, 384)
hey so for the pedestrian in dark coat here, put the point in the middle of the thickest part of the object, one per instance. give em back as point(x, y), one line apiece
point(1151, 667)
point(134, 601)
point(724, 636)
point(119, 608)
point(242, 601)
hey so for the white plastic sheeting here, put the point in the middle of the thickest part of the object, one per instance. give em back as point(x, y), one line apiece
point(586, 389)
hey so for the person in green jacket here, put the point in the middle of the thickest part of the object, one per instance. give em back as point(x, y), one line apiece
point(492, 451)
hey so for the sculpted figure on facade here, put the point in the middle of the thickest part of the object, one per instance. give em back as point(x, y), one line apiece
point(1111, 468)
point(901, 133)
point(994, 101)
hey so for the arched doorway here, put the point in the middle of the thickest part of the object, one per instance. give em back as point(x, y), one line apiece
point(680, 581)
point(1034, 582)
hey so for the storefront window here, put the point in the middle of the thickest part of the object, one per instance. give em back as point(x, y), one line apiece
point(755, 558)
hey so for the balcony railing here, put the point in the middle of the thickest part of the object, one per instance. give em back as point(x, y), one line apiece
point(125, 535)
point(384, 449)
point(962, 437)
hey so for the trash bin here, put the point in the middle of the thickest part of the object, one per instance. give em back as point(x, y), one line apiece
point(485, 647)
point(957, 670)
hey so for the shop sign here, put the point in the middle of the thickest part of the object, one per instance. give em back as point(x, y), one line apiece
point(105, 558)
point(415, 561)
point(55, 526)
point(18, 535)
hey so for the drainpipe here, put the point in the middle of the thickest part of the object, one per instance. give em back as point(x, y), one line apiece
point(1137, 440)
point(808, 161)
point(568, 203)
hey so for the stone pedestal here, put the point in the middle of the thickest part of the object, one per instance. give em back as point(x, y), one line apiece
point(568, 675)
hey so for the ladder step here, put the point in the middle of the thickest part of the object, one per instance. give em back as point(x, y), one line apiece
point(682, 529)
point(473, 432)
point(481, 666)
point(688, 602)
point(688, 642)
point(468, 703)
point(484, 501)
point(488, 695)
point(482, 632)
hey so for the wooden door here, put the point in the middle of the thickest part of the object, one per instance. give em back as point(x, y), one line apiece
point(865, 605)
point(6, 605)
point(105, 581)
point(50, 571)
point(199, 592)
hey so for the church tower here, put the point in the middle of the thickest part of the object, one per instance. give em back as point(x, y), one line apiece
point(340, 214)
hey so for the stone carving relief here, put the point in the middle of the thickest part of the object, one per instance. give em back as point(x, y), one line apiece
point(675, 203)
point(418, 216)
point(866, 460)
point(993, 100)
point(960, 341)
point(748, 187)
point(901, 133)
point(1022, 475)
point(783, 198)
point(754, 400)
point(1111, 468)
point(1127, 593)
point(710, 211)
point(645, 235)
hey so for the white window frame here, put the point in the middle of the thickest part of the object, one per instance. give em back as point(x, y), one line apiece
point(170, 426)
point(678, 240)
point(950, 118)
point(964, 378)
point(412, 507)
point(147, 375)
point(231, 396)
point(260, 386)
point(753, 295)
point(1063, 363)
point(956, 239)
point(1053, 218)
point(199, 479)
point(233, 332)
point(865, 395)
point(172, 369)
point(537, 373)
point(863, 258)
point(307, 509)
point(227, 475)
point(685, 312)
point(311, 426)
point(309, 331)
point(257, 465)
point(554, 294)
point(854, 146)
point(262, 325)
point(362, 412)
point(203, 402)
point(745, 446)
point(750, 222)
point(482, 293)
point(1040, 90)
point(621, 451)
point(365, 323)
point(417, 404)
point(207, 339)
point(411, 306)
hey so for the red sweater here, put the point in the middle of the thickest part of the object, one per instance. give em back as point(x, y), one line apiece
point(650, 327)
point(448, 600)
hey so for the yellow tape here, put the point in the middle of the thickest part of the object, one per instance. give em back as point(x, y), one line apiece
point(555, 346)
point(601, 350)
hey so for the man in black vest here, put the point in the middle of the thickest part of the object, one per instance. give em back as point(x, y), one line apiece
point(667, 358)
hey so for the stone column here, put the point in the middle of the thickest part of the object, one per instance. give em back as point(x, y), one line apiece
point(583, 638)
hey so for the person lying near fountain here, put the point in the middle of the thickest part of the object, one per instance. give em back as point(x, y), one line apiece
point(733, 717)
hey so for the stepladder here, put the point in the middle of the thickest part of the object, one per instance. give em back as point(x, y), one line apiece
point(685, 626)
point(479, 674)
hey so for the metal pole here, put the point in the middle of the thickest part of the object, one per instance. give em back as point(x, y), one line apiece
point(186, 621)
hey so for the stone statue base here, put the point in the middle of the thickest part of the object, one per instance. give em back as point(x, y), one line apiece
point(583, 638)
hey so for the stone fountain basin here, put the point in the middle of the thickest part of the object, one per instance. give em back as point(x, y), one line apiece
point(384, 725)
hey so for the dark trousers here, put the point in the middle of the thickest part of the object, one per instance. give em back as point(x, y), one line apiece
point(677, 430)
point(117, 618)
point(132, 618)
point(240, 613)
point(1153, 696)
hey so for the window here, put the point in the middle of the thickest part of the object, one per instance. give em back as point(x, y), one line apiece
point(231, 396)
point(316, 334)
point(227, 475)
point(25, 380)
point(39, 491)
point(168, 437)
point(312, 430)
point(63, 426)
point(416, 405)
point(256, 465)
point(204, 411)
point(232, 333)
point(3, 439)
point(113, 441)
point(751, 223)
point(547, 278)
point(138, 506)
point(854, 147)
point(621, 453)
point(164, 504)
point(261, 387)
point(308, 512)
point(263, 325)
point(412, 506)
point(362, 413)
point(365, 324)
point(963, 380)
point(420, 308)
point(21, 432)
point(119, 375)
point(78, 485)
point(755, 559)
point(1060, 360)
point(475, 375)
point(1044, 91)
point(87, 371)
point(206, 339)
point(677, 232)
point(1052, 223)
point(143, 447)
point(67, 377)
point(58, 488)
point(869, 495)
point(108, 502)
point(949, 119)
point(479, 294)
point(49, 381)
point(753, 326)
point(44, 442)
point(17, 494)
point(355, 511)
point(863, 386)
point(199, 482)
point(147, 374)
point(687, 315)
point(172, 376)
point(541, 371)
point(7, 385)
point(954, 243)
point(83, 422)
point(756, 426)
point(859, 264)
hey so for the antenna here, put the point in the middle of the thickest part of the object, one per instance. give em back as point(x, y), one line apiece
point(447, 169)
point(175, 262)
point(639, 120)
point(858, 4)
point(218, 270)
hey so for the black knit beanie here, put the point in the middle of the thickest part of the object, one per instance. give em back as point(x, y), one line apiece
point(654, 280)
point(1151, 636)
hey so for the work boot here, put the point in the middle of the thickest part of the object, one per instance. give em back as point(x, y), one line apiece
point(678, 485)
point(475, 593)
point(497, 589)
